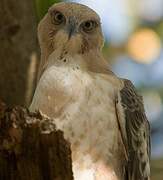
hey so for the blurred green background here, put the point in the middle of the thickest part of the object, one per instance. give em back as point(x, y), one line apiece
point(134, 34)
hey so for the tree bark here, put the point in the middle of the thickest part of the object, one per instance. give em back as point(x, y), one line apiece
point(31, 148)
point(18, 49)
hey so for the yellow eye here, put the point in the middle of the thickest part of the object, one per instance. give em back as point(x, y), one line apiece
point(88, 26)
point(57, 17)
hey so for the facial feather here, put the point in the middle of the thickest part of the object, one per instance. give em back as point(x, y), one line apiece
point(54, 36)
point(72, 46)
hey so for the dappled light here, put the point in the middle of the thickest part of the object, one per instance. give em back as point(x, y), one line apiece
point(144, 46)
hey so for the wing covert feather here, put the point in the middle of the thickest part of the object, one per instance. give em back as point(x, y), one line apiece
point(135, 132)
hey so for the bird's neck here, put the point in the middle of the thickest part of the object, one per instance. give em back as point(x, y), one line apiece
point(92, 60)
point(96, 62)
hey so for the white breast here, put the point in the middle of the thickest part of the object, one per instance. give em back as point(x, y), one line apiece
point(83, 107)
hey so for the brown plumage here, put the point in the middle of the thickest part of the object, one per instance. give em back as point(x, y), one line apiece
point(101, 115)
point(52, 36)
point(135, 132)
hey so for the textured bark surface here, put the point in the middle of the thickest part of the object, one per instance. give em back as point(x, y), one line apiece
point(31, 148)
point(18, 46)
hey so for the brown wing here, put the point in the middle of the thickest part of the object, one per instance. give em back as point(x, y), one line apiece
point(135, 132)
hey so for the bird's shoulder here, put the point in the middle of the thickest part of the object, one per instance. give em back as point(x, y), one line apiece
point(135, 131)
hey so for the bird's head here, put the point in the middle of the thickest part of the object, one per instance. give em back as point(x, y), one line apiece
point(72, 27)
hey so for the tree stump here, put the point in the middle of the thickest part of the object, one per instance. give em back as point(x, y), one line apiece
point(31, 148)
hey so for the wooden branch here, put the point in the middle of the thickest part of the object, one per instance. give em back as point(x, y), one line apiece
point(31, 148)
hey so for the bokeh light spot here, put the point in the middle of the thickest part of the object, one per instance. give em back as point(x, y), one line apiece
point(153, 104)
point(144, 46)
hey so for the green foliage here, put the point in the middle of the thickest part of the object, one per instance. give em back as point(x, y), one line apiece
point(42, 7)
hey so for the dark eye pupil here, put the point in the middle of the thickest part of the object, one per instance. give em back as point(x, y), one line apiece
point(87, 24)
point(59, 17)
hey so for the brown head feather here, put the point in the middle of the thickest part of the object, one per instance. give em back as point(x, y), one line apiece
point(53, 37)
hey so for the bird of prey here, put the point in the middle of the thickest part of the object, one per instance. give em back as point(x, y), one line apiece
point(101, 115)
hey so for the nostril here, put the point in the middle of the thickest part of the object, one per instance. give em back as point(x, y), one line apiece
point(65, 60)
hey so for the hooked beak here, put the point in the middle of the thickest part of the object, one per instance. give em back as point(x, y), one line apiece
point(71, 27)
